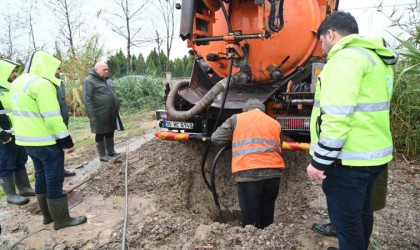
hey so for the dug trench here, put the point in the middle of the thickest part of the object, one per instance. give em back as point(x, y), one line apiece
point(170, 207)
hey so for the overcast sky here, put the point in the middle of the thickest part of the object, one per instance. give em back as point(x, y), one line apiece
point(371, 23)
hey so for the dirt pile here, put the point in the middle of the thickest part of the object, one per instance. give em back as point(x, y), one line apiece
point(170, 207)
point(181, 213)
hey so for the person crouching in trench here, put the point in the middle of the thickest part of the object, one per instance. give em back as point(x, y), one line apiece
point(256, 161)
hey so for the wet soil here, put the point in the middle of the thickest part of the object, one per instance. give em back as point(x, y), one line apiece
point(170, 206)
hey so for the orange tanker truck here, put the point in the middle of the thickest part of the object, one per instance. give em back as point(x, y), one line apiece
point(247, 49)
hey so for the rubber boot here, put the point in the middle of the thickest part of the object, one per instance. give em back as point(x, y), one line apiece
point(22, 183)
point(43, 205)
point(100, 146)
point(109, 142)
point(59, 211)
point(8, 185)
point(68, 173)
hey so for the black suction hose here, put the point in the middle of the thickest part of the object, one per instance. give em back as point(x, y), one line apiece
point(203, 162)
point(272, 17)
point(213, 175)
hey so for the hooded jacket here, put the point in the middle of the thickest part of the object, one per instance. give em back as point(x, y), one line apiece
point(101, 103)
point(36, 111)
point(350, 120)
point(6, 127)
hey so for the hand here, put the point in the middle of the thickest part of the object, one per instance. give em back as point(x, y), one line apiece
point(69, 150)
point(93, 119)
point(314, 174)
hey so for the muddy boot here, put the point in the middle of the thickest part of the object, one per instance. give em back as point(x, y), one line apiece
point(8, 185)
point(22, 183)
point(109, 142)
point(100, 146)
point(43, 205)
point(68, 173)
point(59, 211)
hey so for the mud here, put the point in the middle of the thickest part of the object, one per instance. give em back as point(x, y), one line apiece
point(170, 207)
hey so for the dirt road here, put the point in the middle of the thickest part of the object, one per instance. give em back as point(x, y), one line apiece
point(170, 207)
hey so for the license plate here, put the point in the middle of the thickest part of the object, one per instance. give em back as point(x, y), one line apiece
point(180, 125)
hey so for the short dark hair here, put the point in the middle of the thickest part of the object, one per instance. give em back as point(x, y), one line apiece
point(342, 22)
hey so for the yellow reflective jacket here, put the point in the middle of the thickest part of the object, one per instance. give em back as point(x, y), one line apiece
point(350, 119)
point(37, 116)
point(6, 127)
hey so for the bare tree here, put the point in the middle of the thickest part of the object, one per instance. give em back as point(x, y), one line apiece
point(159, 42)
point(166, 9)
point(69, 18)
point(31, 7)
point(125, 21)
point(10, 32)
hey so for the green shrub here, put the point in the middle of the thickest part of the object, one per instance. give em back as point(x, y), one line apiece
point(139, 92)
point(405, 115)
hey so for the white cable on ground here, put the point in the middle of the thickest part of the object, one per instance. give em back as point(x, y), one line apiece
point(126, 197)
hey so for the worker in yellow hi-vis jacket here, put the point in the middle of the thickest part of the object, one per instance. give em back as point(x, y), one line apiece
point(40, 128)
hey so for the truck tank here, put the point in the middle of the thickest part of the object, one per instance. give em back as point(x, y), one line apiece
point(248, 49)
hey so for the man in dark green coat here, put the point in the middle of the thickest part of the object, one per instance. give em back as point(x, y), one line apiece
point(61, 97)
point(102, 107)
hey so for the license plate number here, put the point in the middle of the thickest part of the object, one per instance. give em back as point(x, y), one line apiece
point(181, 125)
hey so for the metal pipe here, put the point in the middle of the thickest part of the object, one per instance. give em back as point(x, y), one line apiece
point(124, 236)
point(174, 136)
point(234, 37)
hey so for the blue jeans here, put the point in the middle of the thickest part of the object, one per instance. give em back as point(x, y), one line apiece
point(257, 200)
point(49, 170)
point(12, 158)
point(348, 191)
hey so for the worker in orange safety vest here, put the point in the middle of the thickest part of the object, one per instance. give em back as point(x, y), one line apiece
point(256, 161)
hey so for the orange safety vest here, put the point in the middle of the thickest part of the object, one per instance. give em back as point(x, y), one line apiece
point(256, 142)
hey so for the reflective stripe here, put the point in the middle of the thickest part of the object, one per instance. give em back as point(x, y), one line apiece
point(327, 153)
point(26, 113)
point(358, 155)
point(364, 52)
point(338, 110)
point(62, 135)
point(361, 107)
point(5, 111)
point(35, 138)
point(254, 150)
point(322, 161)
point(316, 104)
point(331, 143)
point(6, 130)
point(324, 152)
point(372, 107)
point(36, 114)
point(51, 113)
point(366, 155)
point(255, 141)
point(29, 83)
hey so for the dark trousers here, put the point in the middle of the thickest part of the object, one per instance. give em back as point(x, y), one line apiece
point(49, 170)
point(257, 199)
point(12, 158)
point(348, 191)
point(101, 137)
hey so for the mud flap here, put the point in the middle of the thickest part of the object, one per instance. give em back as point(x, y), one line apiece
point(73, 197)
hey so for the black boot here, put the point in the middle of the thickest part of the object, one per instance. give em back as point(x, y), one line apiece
point(68, 173)
point(100, 146)
point(43, 205)
point(8, 185)
point(22, 183)
point(109, 142)
point(59, 211)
